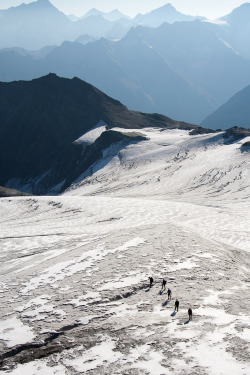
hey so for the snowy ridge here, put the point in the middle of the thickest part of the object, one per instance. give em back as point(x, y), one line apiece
point(75, 268)
point(93, 134)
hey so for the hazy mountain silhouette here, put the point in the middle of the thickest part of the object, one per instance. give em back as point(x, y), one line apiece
point(235, 112)
point(112, 16)
point(34, 25)
point(194, 50)
point(185, 70)
point(128, 70)
point(72, 17)
point(84, 39)
point(96, 26)
point(39, 24)
point(166, 13)
point(41, 121)
point(15, 66)
point(182, 70)
point(36, 54)
point(92, 12)
point(166, 91)
point(236, 31)
point(115, 15)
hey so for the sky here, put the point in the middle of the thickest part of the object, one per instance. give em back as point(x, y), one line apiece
point(209, 8)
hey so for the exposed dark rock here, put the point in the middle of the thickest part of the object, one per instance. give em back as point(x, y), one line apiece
point(235, 134)
point(200, 130)
point(245, 147)
point(92, 153)
point(5, 192)
point(40, 121)
point(53, 343)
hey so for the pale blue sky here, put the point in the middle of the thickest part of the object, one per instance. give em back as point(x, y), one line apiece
point(207, 8)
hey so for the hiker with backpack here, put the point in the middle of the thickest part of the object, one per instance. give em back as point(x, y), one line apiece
point(190, 314)
point(176, 305)
point(151, 280)
point(169, 294)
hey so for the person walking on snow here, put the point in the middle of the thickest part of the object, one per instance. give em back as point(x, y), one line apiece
point(163, 287)
point(151, 280)
point(190, 313)
point(176, 305)
point(169, 294)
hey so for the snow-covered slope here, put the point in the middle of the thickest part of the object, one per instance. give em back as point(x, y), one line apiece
point(176, 166)
point(74, 275)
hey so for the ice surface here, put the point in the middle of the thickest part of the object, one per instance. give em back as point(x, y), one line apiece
point(14, 332)
point(99, 355)
point(75, 269)
point(37, 368)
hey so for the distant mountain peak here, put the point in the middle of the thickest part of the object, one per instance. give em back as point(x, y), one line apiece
point(114, 11)
point(93, 12)
point(166, 13)
point(35, 3)
point(167, 8)
point(38, 4)
point(44, 3)
point(242, 7)
point(240, 13)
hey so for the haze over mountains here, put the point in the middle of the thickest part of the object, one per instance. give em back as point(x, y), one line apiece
point(38, 24)
point(170, 64)
point(236, 29)
point(235, 112)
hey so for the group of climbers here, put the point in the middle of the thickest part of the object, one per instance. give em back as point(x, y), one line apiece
point(176, 305)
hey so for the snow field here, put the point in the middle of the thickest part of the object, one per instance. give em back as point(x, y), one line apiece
point(102, 284)
point(74, 269)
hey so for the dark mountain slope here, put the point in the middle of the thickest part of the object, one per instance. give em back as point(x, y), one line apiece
point(235, 112)
point(40, 121)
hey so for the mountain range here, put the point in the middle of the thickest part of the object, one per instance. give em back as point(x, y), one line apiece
point(185, 70)
point(39, 24)
point(41, 125)
point(157, 17)
point(151, 70)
